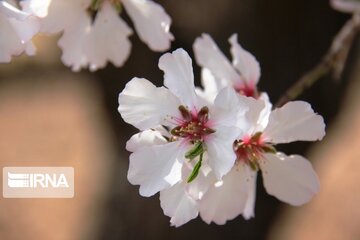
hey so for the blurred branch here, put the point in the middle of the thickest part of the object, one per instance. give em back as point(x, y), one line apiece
point(334, 60)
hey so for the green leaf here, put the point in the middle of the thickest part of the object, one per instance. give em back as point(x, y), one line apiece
point(195, 151)
point(196, 170)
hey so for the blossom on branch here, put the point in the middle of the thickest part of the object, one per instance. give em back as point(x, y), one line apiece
point(195, 127)
point(93, 32)
point(242, 74)
point(289, 178)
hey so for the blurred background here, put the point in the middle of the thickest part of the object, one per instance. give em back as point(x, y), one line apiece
point(50, 116)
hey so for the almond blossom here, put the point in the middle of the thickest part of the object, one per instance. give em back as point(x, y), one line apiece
point(243, 73)
point(179, 202)
point(196, 128)
point(93, 32)
point(17, 28)
point(289, 178)
point(347, 6)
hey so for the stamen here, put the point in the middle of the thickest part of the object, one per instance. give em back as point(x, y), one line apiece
point(193, 125)
point(250, 150)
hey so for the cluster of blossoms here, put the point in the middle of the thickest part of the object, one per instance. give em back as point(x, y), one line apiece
point(200, 148)
point(203, 148)
point(92, 31)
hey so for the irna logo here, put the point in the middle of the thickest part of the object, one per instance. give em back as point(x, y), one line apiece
point(34, 180)
point(38, 182)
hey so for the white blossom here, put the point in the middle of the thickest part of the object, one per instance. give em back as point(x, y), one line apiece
point(218, 72)
point(179, 202)
point(347, 6)
point(93, 32)
point(193, 125)
point(289, 178)
point(17, 28)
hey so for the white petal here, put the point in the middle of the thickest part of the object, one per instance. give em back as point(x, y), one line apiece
point(145, 139)
point(178, 76)
point(220, 150)
point(295, 121)
point(257, 116)
point(227, 198)
point(265, 113)
point(208, 55)
point(63, 14)
point(211, 85)
point(157, 167)
point(291, 179)
point(229, 109)
point(26, 29)
point(244, 62)
point(30, 49)
point(36, 7)
point(178, 205)
point(144, 105)
point(9, 11)
point(108, 39)
point(346, 6)
point(204, 180)
point(249, 209)
point(73, 40)
point(151, 22)
point(9, 41)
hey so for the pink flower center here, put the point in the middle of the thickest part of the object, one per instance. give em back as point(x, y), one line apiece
point(247, 90)
point(249, 149)
point(194, 125)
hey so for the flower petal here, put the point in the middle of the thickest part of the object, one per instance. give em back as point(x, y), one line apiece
point(108, 39)
point(205, 179)
point(211, 85)
point(10, 43)
point(249, 209)
point(9, 11)
point(157, 167)
point(151, 22)
point(257, 116)
point(229, 109)
point(295, 121)
point(73, 40)
point(291, 179)
point(145, 138)
point(208, 55)
point(17, 29)
point(55, 21)
point(26, 29)
point(219, 146)
point(37, 7)
point(144, 105)
point(30, 49)
point(227, 198)
point(178, 205)
point(179, 77)
point(244, 62)
point(346, 6)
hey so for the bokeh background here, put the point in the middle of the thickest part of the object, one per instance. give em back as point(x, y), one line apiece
point(50, 116)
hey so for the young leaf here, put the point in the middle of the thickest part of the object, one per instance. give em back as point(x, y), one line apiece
point(195, 151)
point(196, 170)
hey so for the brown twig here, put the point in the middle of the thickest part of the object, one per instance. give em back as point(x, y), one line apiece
point(334, 60)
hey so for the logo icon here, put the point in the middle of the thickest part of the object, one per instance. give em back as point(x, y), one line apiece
point(38, 182)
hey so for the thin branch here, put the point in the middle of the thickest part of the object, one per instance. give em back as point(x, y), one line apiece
point(334, 60)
